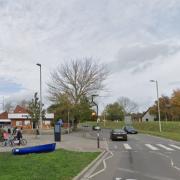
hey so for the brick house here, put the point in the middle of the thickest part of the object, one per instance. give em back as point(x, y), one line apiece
point(4, 121)
point(20, 118)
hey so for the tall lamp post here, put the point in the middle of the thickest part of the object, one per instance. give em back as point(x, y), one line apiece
point(159, 115)
point(40, 106)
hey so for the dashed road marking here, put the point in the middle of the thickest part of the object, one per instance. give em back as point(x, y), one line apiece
point(151, 147)
point(165, 147)
point(127, 146)
point(174, 146)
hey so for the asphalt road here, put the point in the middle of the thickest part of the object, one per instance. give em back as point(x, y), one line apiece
point(142, 157)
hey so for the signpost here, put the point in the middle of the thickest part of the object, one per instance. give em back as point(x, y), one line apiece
point(128, 120)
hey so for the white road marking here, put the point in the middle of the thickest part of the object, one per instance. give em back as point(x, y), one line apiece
point(104, 162)
point(165, 147)
point(127, 146)
point(151, 147)
point(174, 146)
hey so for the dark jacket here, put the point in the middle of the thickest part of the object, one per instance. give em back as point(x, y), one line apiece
point(19, 135)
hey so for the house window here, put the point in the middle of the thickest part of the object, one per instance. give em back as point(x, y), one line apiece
point(19, 123)
point(47, 122)
point(27, 123)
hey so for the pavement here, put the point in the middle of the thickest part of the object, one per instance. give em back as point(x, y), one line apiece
point(75, 141)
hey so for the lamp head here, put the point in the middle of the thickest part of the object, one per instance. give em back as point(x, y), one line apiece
point(94, 95)
point(38, 64)
point(152, 81)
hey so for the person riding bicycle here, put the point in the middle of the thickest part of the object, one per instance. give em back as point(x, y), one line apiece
point(19, 136)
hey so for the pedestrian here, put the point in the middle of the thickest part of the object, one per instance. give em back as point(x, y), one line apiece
point(5, 137)
point(9, 130)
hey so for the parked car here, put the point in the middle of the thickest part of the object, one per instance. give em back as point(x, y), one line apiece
point(96, 128)
point(118, 134)
point(130, 130)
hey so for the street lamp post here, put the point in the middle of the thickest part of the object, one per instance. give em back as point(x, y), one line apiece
point(159, 114)
point(40, 106)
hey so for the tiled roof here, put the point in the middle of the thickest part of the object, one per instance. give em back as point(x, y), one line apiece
point(4, 115)
point(20, 109)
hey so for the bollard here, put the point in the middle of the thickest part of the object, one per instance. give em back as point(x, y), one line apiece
point(98, 145)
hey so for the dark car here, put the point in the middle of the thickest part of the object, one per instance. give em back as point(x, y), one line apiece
point(130, 130)
point(96, 128)
point(118, 134)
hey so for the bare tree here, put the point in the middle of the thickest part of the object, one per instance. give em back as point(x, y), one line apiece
point(24, 103)
point(128, 105)
point(8, 106)
point(77, 78)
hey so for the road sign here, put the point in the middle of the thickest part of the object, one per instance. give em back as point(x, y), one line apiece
point(128, 120)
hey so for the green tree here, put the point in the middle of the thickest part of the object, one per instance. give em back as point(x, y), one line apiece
point(34, 111)
point(164, 104)
point(61, 107)
point(114, 111)
point(175, 105)
point(81, 111)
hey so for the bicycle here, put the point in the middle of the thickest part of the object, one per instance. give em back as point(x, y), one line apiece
point(23, 142)
point(7, 142)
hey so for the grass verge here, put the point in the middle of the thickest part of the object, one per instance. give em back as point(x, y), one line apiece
point(59, 165)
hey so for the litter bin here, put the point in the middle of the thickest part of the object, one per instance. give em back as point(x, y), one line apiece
point(57, 132)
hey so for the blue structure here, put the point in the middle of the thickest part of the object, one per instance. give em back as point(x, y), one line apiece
point(57, 130)
point(34, 149)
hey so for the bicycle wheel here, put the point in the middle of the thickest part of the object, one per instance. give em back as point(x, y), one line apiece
point(23, 142)
point(11, 143)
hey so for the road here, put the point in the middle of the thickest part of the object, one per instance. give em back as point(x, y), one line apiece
point(142, 157)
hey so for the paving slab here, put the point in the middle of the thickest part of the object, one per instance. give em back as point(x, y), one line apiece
point(75, 141)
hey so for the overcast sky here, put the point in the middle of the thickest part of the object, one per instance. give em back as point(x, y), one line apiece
point(139, 40)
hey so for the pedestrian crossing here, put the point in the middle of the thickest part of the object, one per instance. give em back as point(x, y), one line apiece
point(151, 147)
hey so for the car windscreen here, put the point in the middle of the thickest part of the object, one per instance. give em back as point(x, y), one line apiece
point(118, 130)
point(130, 128)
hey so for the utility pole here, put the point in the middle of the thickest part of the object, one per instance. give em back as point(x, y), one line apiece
point(159, 113)
point(40, 112)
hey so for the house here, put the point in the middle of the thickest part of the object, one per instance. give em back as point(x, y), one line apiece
point(136, 117)
point(148, 117)
point(4, 121)
point(21, 118)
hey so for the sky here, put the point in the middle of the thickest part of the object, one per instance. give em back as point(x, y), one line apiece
point(138, 40)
